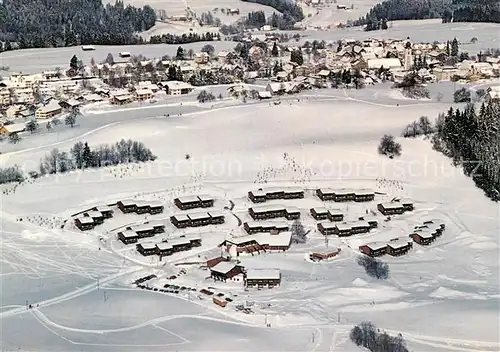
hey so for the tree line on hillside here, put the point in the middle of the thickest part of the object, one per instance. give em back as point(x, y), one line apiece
point(447, 10)
point(48, 23)
point(470, 137)
point(81, 156)
point(287, 8)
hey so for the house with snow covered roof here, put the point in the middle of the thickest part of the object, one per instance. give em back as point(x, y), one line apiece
point(262, 278)
point(225, 271)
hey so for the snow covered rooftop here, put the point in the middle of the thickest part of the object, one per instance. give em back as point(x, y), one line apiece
point(181, 217)
point(281, 239)
point(179, 241)
point(266, 208)
point(320, 210)
point(128, 202)
point(360, 223)
point(364, 192)
point(328, 225)
point(205, 198)
point(326, 190)
point(15, 127)
point(259, 193)
point(142, 228)
point(343, 191)
point(374, 246)
point(343, 226)
point(398, 243)
point(148, 245)
point(335, 212)
point(103, 208)
point(163, 246)
point(94, 214)
point(263, 274)
point(188, 199)
point(223, 267)
point(394, 205)
point(424, 234)
point(215, 213)
point(85, 220)
point(292, 210)
point(198, 216)
point(128, 234)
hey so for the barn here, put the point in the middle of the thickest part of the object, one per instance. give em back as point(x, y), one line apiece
point(374, 249)
point(262, 278)
point(146, 249)
point(319, 213)
point(391, 208)
point(84, 223)
point(364, 195)
point(128, 236)
point(335, 215)
point(398, 247)
point(180, 221)
point(327, 228)
point(126, 205)
point(105, 210)
point(216, 217)
point(225, 271)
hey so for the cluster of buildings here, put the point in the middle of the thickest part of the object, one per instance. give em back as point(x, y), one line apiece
point(88, 219)
point(423, 235)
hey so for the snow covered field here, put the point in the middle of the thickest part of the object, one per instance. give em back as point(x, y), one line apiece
point(443, 297)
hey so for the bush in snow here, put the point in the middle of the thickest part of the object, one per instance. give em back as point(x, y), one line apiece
point(11, 174)
point(204, 96)
point(374, 268)
point(389, 147)
point(462, 96)
point(368, 336)
point(421, 127)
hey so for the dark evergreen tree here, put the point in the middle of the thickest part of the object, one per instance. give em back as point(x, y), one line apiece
point(296, 56)
point(87, 160)
point(73, 64)
point(454, 48)
point(274, 50)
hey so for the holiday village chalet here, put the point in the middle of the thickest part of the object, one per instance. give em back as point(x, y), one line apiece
point(262, 226)
point(191, 202)
point(262, 195)
point(140, 207)
point(395, 207)
point(274, 211)
point(212, 217)
point(320, 213)
point(345, 195)
point(344, 229)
